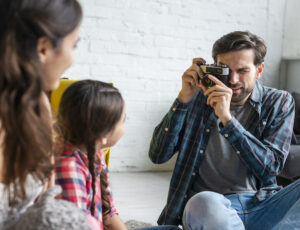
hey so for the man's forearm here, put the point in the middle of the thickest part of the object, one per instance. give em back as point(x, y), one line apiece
point(264, 157)
point(166, 134)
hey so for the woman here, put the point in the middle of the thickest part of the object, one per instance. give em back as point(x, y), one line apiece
point(37, 38)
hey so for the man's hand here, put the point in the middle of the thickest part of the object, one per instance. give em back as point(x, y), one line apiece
point(190, 83)
point(219, 97)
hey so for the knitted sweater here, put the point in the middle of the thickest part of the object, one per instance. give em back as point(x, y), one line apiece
point(47, 213)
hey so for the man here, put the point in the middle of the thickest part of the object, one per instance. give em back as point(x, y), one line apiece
point(232, 141)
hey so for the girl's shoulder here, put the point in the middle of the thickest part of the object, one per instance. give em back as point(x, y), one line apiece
point(100, 159)
point(71, 155)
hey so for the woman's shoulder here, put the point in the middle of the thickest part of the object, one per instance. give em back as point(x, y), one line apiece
point(7, 212)
point(4, 205)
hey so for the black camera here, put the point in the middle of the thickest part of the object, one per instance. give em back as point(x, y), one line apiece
point(219, 71)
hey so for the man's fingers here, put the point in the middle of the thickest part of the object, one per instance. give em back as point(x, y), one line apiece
point(216, 80)
point(189, 78)
point(192, 74)
point(216, 96)
point(199, 59)
point(213, 101)
point(195, 68)
point(217, 88)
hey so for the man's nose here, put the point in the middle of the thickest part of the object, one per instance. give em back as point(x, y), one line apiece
point(233, 78)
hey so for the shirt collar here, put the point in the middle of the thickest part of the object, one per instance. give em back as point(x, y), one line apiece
point(70, 149)
point(256, 96)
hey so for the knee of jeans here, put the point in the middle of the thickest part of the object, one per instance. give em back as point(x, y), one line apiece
point(205, 202)
point(206, 209)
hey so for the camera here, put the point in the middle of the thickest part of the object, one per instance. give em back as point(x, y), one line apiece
point(219, 71)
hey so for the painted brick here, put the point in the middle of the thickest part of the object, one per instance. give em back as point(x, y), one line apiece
point(144, 46)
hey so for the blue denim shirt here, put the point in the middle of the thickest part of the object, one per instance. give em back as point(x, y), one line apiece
point(262, 144)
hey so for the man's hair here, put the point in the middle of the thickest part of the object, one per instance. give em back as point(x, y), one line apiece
point(240, 40)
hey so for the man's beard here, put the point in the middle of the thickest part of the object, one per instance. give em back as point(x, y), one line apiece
point(236, 98)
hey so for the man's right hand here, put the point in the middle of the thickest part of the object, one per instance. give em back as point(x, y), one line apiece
point(190, 82)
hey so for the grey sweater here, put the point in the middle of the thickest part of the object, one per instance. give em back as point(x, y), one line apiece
point(47, 213)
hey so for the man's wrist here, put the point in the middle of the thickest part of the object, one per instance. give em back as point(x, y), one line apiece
point(184, 98)
point(226, 119)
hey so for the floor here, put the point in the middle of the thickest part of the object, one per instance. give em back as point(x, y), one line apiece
point(140, 196)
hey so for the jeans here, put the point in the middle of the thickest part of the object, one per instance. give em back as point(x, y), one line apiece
point(291, 219)
point(162, 227)
point(213, 211)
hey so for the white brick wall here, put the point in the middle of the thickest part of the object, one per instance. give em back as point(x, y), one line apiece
point(143, 47)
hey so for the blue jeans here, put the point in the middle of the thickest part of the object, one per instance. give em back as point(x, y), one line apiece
point(291, 219)
point(162, 227)
point(213, 211)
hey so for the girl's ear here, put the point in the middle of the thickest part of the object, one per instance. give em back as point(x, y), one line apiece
point(103, 141)
point(44, 48)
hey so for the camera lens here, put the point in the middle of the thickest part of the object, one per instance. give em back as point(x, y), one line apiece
point(207, 82)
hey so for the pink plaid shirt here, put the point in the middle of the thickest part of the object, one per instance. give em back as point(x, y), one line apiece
point(73, 175)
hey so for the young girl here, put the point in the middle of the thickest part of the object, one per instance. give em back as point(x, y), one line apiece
point(90, 117)
point(37, 38)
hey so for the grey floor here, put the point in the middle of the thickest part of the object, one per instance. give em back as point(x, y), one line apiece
point(140, 196)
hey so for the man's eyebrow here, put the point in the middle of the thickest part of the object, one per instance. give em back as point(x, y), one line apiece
point(244, 68)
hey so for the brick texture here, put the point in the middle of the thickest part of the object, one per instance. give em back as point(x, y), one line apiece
point(144, 46)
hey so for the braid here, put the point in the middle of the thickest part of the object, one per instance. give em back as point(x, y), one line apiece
point(91, 159)
point(106, 206)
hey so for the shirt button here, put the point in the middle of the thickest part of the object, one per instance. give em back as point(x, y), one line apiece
point(201, 151)
point(174, 108)
point(185, 196)
point(226, 135)
point(207, 130)
point(237, 152)
point(166, 129)
point(193, 174)
point(264, 122)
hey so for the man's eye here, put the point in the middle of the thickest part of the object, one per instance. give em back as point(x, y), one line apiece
point(243, 70)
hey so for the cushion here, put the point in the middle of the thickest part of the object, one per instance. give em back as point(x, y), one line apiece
point(291, 168)
point(296, 97)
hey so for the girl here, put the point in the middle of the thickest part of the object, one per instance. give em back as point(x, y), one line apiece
point(37, 38)
point(90, 117)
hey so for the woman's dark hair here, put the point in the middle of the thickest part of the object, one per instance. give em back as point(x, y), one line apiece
point(239, 40)
point(26, 128)
point(90, 110)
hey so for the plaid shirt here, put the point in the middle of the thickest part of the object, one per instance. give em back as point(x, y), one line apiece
point(262, 144)
point(73, 175)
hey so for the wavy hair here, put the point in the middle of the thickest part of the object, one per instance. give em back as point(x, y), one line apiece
point(24, 116)
point(239, 40)
point(98, 107)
